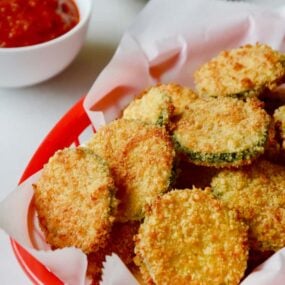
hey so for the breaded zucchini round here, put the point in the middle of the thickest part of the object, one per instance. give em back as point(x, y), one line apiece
point(188, 237)
point(153, 106)
point(222, 131)
point(279, 119)
point(257, 193)
point(241, 72)
point(180, 96)
point(141, 158)
point(74, 199)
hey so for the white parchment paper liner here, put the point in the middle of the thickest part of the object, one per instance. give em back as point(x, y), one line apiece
point(166, 43)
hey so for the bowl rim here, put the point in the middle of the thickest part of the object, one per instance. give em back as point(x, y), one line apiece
point(82, 22)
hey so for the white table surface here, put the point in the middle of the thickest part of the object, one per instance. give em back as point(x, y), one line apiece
point(28, 114)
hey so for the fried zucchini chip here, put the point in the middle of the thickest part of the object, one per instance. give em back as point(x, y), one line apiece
point(141, 158)
point(75, 200)
point(180, 96)
point(188, 237)
point(160, 103)
point(257, 193)
point(241, 72)
point(222, 131)
point(153, 106)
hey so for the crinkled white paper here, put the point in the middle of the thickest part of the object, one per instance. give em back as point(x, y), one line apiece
point(116, 273)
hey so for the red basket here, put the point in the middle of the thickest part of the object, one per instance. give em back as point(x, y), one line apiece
point(66, 132)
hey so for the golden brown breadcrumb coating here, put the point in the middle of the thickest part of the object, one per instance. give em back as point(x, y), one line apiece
point(188, 237)
point(257, 193)
point(180, 96)
point(153, 106)
point(222, 131)
point(245, 71)
point(74, 199)
point(141, 159)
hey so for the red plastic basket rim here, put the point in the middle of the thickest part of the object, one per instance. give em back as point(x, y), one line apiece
point(78, 119)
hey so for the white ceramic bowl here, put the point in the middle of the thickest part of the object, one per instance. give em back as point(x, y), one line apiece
point(24, 66)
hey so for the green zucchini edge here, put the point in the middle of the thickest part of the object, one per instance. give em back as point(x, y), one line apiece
point(223, 158)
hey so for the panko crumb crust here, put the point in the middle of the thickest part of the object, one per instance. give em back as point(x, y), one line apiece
point(141, 158)
point(74, 199)
point(222, 132)
point(153, 106)
point(188, 237)
point(160, 104)
point(242, 72)
point(257, 193)
point(180, 96)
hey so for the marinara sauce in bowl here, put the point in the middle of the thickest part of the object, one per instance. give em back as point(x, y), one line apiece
point(39, 38)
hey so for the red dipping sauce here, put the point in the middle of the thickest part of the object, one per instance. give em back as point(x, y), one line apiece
point(30, 22)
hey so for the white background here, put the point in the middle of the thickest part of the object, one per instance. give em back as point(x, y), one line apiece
point(28, 114)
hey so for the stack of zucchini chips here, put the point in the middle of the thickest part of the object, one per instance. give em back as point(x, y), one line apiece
point(187, 187)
